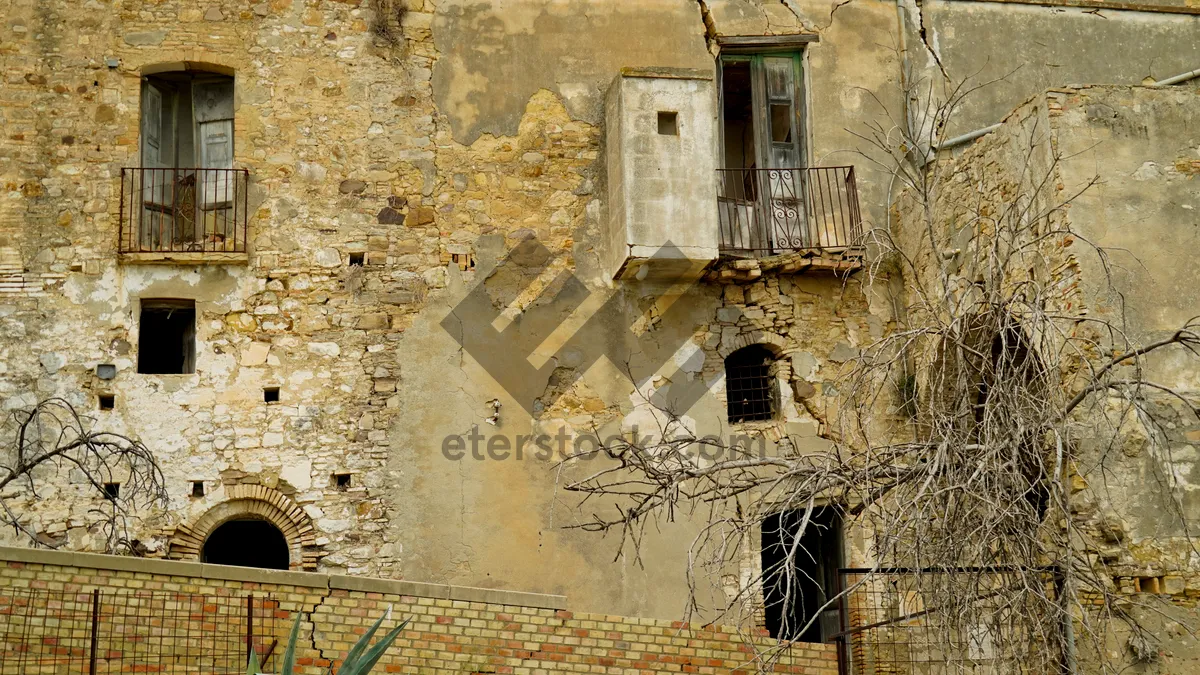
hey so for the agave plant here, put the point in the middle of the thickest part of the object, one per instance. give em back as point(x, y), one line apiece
point(359, 661)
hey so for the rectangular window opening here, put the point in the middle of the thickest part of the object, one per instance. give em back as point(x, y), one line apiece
point(356, 259)
point(167, 337)
point(112, 490)
point(341, 481)
point(270, 394)
point(668, 123)
point(107, 401)
point(792, 600)
point(197, 488)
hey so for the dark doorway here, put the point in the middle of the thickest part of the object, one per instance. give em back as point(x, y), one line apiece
point(246, 543)
point(167, 337)
point(792, 600)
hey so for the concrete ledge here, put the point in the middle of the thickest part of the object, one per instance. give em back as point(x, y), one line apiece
point(176, 568)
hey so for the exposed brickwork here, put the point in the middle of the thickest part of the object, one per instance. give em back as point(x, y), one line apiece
point(445, 635)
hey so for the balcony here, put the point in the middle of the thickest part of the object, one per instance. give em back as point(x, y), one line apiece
point(771, 212)
point(182, 215)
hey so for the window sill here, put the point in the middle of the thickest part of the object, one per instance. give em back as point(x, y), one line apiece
point(185, 258)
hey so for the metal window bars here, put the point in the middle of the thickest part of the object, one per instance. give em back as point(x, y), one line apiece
point(749, 389)
point(183, 210)
point(772, 211)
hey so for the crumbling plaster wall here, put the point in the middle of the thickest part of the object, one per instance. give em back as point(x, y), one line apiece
point(1144, 146)
point(431, 152)
point(1122, 162)
point(1040, 47)
point(354, 144)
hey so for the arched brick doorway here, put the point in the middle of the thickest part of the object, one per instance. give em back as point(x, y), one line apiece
point(247, 503)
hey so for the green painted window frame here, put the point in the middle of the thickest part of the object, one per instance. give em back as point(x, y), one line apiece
point(761, 103)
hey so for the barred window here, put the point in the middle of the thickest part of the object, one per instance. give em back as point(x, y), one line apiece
point(749, 384)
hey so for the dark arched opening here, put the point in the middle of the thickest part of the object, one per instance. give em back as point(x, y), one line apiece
point(247, 543)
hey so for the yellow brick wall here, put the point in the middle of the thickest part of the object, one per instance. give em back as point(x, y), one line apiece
point(185, 616)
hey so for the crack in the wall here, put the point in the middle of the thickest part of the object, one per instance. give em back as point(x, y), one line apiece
point(924, 35)
point(833, 11)
point(312, 618)
point(791, 7)
point(710, 27)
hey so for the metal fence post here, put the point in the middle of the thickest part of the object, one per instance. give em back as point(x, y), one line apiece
point(95, 631)
point(249, 627)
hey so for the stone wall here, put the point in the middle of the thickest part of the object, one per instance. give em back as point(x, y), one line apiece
point(428, 138)
point(385, 134)
point(452, 629)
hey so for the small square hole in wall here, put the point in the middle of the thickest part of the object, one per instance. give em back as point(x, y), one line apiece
point(271, 394)
point(668, 123)
point(107, 401)
point(197, 488)
point(356, 259)
point(341, 481)
point(112, 490)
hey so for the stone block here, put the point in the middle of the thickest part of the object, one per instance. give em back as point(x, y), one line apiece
point(373, 321)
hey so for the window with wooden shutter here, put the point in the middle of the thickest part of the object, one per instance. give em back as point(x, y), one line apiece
point(212, 109)
point(762, 201)
point(189, 190)
point(152, 117)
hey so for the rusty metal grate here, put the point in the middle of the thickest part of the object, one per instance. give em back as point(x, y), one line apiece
point(773, 211)
point(97, 632)
point(183, 210)
point(891, 622)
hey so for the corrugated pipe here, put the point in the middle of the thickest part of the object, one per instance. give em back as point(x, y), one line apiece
point(968, 137)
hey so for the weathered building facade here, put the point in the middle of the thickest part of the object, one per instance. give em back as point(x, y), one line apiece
point(322, 243)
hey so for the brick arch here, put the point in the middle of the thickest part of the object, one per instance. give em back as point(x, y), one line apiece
point(771, 341)
point(252, 502)
point(196, 59)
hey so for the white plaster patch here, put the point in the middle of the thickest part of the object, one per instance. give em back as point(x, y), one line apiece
point(324, 348)
point(255, 354)
point(1147, 171)
point(689, 357)
point(299, 475)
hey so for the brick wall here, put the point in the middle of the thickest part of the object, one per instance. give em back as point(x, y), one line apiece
point(453, 629)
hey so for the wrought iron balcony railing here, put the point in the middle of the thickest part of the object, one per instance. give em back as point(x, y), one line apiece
point(772, 211)
point(183, 210)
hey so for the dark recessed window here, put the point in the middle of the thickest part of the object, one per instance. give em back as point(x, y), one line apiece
point(167, 337)
point(197, 488)
point(112, 490)
point(356, 259)
point(271, 394)
point(107, 401)
point(749, 384)
point(668, 123)
point(341, 481)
